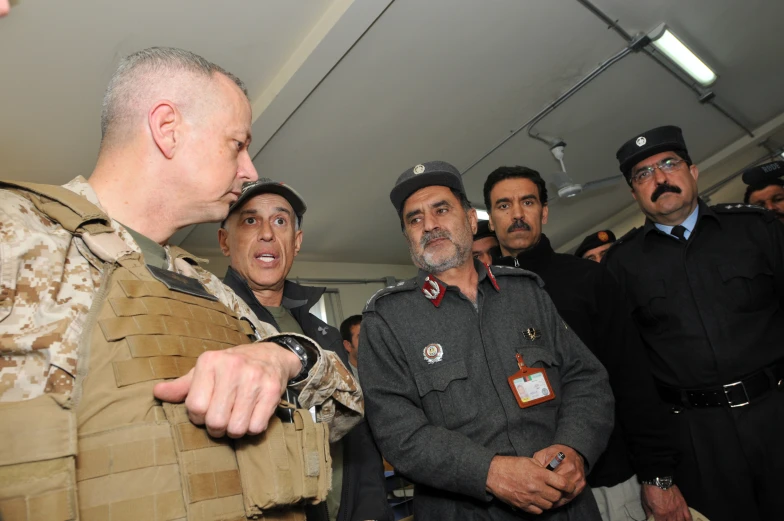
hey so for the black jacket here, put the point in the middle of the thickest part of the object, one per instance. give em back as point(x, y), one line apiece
point(364, 493)
point(590, 301)
point(710, 311)
point(437, 395)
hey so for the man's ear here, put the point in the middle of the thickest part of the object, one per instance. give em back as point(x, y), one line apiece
point(473, 219)
point(347, 346)
point(695, 172)
point(545, 213)
point(164, 119)
point(297, 241)
point(223, 241)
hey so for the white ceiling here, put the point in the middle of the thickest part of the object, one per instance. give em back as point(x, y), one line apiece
point(348, 94)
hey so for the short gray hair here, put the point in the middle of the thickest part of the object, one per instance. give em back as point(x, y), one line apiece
point(134, 70)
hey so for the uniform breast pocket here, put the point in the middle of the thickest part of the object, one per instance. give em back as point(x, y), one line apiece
point(447, 395)
point(748, 286)
point(649, 310)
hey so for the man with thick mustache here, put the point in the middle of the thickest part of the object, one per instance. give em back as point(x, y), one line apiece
point(473, 382)
point(589, 300)
point(262, 235)
point(705, 286)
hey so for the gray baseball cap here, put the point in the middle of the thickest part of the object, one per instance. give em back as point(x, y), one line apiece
point(432, 173)
point(268, 186)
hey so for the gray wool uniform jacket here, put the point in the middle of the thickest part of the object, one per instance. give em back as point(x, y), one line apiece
point(434, 370)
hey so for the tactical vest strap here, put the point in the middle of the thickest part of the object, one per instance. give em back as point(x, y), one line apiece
point(37, 475)
point(71, 210)
point(209, 473)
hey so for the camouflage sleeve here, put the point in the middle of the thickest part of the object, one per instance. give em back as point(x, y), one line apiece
point(46, 289)
point(331, 386)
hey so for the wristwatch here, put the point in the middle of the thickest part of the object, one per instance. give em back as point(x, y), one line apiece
point(663, 483)
point(307, 354)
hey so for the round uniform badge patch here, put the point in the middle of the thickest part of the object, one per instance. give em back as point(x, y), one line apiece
point(419, 169)
point(641, 141)
point(433, 353)
point(603, 236)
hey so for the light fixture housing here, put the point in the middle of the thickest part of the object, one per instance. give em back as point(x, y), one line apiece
point(665, 41)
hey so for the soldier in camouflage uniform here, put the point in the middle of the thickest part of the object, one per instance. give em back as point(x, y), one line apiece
point(174, 153)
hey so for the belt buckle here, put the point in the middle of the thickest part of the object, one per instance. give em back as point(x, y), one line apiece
point(727, 393)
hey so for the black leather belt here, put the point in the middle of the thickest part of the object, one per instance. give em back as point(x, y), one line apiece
point(734, 394)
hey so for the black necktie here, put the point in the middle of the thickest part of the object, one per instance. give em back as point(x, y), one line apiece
point(679, 232)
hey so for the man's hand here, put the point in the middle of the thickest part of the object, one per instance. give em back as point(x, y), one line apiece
point(572, 468)
point(526, 484)
point(665, 505)
point(234, 391)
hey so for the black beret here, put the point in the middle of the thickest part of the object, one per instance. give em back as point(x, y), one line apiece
point(432, 173)
point(655, 141)
point(483, 230)
point(764, 174)
point(594, 241)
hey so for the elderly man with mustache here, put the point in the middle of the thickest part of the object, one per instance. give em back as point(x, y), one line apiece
point(705, 286)
point(473, 383)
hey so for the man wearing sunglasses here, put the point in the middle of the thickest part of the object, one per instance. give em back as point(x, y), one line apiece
point(705, 286)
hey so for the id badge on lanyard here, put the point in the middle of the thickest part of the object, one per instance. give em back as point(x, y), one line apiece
point(530, 385)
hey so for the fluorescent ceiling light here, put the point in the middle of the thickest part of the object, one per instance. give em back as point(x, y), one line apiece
point(782, 154)
point(669, 44)
point(482, 215)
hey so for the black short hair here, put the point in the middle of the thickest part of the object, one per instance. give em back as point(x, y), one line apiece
point(345, 327)
point(761, 186)
point(514, 172)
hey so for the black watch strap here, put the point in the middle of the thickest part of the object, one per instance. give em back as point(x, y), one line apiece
point(307, 354)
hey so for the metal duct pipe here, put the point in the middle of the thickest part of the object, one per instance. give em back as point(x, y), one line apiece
point(558, 101)
point(706, 96)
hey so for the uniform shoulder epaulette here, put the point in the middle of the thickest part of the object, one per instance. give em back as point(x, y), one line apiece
point(624, 238)
point(502, 270)
point(628, 235)
point(740, 208)
point(403, 285)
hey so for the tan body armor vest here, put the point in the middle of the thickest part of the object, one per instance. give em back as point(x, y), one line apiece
point(111, 451)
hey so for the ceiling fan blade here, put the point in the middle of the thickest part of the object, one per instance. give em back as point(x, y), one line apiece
point(601, 183)
point(561, 178)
